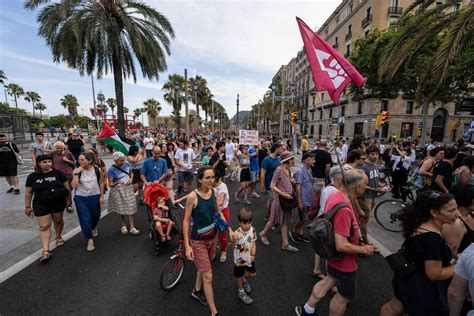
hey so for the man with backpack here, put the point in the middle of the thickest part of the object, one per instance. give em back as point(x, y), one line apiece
point(344, 245)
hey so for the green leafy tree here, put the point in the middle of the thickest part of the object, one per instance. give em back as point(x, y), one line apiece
point(82, 121)
point(200, 93)
point(112, 104)
point(152, 108)
point(70, 103)
point(33, 98)
point(15, 91)
point(3, 77)
point(106, 36)
point(58, 121)
point(137, 112)
point(40, 107)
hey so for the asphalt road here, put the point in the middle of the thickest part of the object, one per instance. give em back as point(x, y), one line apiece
point(122, 275)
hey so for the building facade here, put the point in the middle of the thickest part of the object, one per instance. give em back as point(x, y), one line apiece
point(351, 20)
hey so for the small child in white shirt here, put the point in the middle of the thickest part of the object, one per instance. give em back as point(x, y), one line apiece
point(244, 244)
point(160, 216)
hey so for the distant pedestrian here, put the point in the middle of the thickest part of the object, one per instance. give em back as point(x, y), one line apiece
point(245, 250)
point(443, 171)
point(254, 168)
point(88, 183)
point(223, 204)
point(121, 197)
point(51, 194)
point(39, 147)
point(9, 164)
point(268, 167)
point(184, 158)
point(321, 166)
point(244, 175)
point(75, 145)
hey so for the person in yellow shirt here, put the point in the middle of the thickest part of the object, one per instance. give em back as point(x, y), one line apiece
point(304, 145)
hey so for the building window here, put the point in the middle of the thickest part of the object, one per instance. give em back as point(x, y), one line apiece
point(359, 128)
point(368, 12)
point(312, 130)
point(349, 29)
point(350, 7)
point(409, 107)
point(330, 113)
point(359, 107)
point(348, 50)
point(384, 105)
point(320, 114)
point(320, 130)
point(457, 6)
point(341, 130)
point(343, 110)
point(312, 116)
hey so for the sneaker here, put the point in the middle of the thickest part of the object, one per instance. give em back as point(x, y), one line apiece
point(294, 237)
point(11, 190)
point(247, 287)
point(299, 310)
point(303, 238)
point(289, 248)
point(255, 194)
point(17, 191)
point(199, 295)
point(236, 197)
point(124, 230)
point(264, 240)
point(246, 202)
point(95, 232)
point(245, 298)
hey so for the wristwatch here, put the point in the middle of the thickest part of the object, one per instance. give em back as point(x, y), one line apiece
point(76, 174)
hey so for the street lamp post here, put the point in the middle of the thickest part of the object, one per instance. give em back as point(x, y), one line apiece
point(186, 108)
point(176, 90)
point(237, 111)
point(95, 105)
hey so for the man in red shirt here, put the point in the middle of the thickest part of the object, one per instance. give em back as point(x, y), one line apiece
point(346, 229)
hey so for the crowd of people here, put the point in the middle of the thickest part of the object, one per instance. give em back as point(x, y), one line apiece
point(438, 227)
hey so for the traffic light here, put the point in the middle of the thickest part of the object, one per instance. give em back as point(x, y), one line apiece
point(293, 118)
point(384, 117)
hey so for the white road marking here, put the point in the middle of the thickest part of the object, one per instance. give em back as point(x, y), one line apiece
point(383, 250)
point(17, 267)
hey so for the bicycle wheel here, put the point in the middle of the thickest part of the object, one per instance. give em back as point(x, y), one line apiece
point(172, 273)
point(386, 214)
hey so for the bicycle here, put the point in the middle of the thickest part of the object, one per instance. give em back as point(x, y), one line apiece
point(386, 212)
point(174, 269)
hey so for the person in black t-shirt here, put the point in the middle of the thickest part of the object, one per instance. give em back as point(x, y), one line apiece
point(322, 165)
point(262, 153)
point(8, 163)
point(218, 160)
point(75, 145)
point(51, 194)
point(443, 171)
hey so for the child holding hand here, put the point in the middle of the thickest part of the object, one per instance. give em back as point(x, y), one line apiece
point(244, 244)
point(160, 216)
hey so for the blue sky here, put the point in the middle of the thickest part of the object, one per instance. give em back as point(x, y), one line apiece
point(236, 45)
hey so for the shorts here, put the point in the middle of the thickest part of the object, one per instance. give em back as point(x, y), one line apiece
point(204, 252)
point(253, 176)
point(345, 282)
point(39, 211)
point(136, 176)
point(244, 175)
point(185, 176)
point(367, 205)
point(318, 184)
point(9, 169)
point(240, 271)
point(303, 215)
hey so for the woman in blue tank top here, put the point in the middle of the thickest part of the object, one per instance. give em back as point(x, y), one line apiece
point(201, 243)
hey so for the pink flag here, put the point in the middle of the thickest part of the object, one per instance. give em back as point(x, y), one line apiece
point(331, 71)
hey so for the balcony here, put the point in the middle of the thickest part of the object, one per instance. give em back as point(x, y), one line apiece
point(347, 54)
point(348, 36)
point(395, 12)
point(366, 21)
point(335, 46)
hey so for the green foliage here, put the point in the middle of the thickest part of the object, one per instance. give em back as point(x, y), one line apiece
point(82, 121)
point(37, 122)
point(60, 120)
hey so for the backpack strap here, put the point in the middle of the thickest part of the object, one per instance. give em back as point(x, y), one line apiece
point(329, 215)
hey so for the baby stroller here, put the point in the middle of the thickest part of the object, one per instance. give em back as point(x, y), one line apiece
point(152, 193)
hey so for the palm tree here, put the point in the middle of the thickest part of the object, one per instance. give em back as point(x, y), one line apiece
point(200, 94)
point(417, 29)
point(152, 108)
point(104, 108)
point(112, 104)
point(137, 112)
point(173, 89)
point(106, 36)
point(15, 91)
point(32, 97)
point(40, 107)
point(3, 77)
point(70, 103)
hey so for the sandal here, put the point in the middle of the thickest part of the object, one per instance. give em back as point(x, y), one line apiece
point(134, 231)
point(289, 248)
point(168, 237)
point(124, 230)
point(163, 238)
point(45, 256)
point(59, 241)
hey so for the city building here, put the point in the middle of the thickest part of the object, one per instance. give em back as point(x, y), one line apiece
point(351, 20)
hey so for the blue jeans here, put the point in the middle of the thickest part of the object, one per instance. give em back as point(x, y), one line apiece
point(88, 212)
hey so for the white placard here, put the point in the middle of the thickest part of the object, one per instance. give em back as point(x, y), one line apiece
point(248, 137)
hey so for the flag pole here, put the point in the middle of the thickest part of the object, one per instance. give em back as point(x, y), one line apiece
point(339, 163)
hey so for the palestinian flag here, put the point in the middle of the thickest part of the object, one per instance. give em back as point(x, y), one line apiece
point(118, 142)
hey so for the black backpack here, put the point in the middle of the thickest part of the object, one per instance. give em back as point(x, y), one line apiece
point(321, 234)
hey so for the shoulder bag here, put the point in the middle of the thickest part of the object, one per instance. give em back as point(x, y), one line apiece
point(19, 159)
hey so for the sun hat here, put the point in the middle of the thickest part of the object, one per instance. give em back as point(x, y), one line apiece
point(285, 156)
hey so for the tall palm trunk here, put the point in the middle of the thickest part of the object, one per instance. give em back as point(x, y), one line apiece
point(197, 113)
point(33, 102)
point(118, 83)
point(41, 114)
point(16, 102)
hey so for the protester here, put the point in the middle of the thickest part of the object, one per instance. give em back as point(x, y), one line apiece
point(39, 147)
point(245, 249)
point(75, 145)
point(462, 283)
point(184, 159)
point(223, 204)
point(321, 166)
point(428, 164)
point(149, 143)
point(426, 247)
point(282, 187)
point(464, 174)
point(154, 169)
point(207, 157)
point(218, 160)
point(200, 242)
point(244, 163)
point(341, 273)
point(401, 164)
point(254, 167)
point(356, 158)
point(443, 171)
point(9, 164)
point(305, 196)
point(136, 159)
point(88, 183)
point(268, 167)
point(121, 197)
point(51, 194)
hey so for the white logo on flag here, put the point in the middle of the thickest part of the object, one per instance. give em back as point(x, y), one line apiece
point(335, 71)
